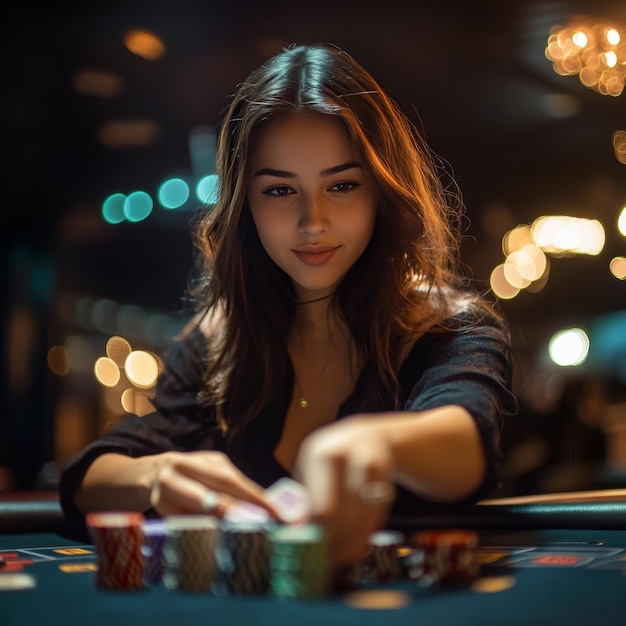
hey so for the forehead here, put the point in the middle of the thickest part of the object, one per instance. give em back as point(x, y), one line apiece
point(302, 135)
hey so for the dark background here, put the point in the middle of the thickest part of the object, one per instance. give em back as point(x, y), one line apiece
point(474, 76)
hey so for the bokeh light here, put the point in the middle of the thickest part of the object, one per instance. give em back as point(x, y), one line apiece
point(58, 360)
point(617, 267)
point(107, 372)
point(142, 369)
point(173, 193)
point(145, 44)
point(569, 347)
point(118, 349)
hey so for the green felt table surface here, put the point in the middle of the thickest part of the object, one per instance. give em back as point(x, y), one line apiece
point(590, 594)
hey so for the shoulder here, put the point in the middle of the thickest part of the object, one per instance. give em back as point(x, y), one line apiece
point(453, 311)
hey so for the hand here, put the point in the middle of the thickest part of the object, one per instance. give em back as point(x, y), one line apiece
point(342, 466)
point(202, 482)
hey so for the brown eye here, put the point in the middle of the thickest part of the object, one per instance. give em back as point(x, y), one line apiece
point(278, 191)
point(344, 187)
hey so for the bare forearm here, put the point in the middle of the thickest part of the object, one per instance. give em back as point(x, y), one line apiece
point(117, 482)
point(437, 453)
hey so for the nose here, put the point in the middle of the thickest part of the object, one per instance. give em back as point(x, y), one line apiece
point(313, 215)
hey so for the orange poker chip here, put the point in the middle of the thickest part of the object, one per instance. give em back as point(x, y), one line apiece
point(444, 557)
point(453, 537)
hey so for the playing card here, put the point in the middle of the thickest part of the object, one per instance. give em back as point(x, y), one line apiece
point(290, 499)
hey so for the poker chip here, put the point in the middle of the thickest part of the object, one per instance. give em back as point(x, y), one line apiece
point(154, 533)
point(189, 552)
point(381, 562)
point(299, 567)
point(242, 558)
point(443, 557)
point(118, 538)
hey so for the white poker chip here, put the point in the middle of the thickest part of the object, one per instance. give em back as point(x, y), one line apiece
point(15, 582)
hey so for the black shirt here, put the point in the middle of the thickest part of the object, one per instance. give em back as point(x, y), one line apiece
point(469, 365)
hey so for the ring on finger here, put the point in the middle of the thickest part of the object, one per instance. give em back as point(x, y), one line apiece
point(209, 501)
point(377, 492)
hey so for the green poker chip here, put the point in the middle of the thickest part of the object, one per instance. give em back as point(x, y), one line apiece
point(299, 566)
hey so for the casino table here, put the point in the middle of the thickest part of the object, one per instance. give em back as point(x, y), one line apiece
point(543, 560)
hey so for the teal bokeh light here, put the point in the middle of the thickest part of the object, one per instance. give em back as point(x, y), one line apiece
point(113, 208)
point(173, 193)
point(138, 206)
point(207, 189)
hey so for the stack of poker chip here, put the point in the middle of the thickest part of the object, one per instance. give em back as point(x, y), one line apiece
point(381, 562)
point(189, 552)
point(242, 558)
point(154, 533)
point(118, 539)
point(299, 567)
point(444, 557)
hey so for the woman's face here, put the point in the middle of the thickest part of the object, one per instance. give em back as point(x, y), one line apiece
point(312, 200)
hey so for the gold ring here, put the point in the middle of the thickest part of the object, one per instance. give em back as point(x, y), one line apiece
point(377, 492)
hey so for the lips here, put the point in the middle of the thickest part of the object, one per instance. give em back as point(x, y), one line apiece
point(316, 256)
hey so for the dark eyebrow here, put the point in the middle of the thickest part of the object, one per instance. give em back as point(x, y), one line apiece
point(341, 168)
point(268, 171)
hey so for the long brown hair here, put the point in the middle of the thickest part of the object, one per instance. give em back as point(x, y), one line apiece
point(406, 280)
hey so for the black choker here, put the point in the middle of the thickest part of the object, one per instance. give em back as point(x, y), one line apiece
point(316, 299)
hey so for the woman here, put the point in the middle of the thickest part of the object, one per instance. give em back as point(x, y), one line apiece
point(335, 339)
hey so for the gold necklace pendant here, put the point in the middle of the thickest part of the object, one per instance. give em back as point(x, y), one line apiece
point(303, 403)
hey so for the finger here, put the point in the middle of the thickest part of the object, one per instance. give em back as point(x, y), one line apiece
point(216, 471)
point(174, 493)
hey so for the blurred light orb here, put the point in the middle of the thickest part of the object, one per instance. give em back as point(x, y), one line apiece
point(117, 349)
point(617, 267)
point(58, 360)
point(106, 371)
point(207, 189)
point(137, 206)
point(142, 369)
point(136, 403)
point(500, 286)
point(621, 222)
point(113, 208)
point(569, 347)
point(173, 193)
point(145, 44)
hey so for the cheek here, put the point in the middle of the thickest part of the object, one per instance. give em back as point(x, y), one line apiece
point(368, 222)
point(271, 231)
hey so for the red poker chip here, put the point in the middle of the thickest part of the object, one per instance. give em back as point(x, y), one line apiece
point(118, 539)
point(443, 557)
point(114, 519)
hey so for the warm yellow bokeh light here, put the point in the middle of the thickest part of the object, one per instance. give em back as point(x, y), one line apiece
point(561, 234)
point(97, 83)
point(619, 145)
point(142, 369)
point(612, 36)
point(145, 44)
point(58, 360)
point(593, 51)
point(107, 372)
point(136, 403)
point(621, 222)
point(500, 285)
point(117, 349)
point(512, 271)
point(617, 266)
point(516, 239)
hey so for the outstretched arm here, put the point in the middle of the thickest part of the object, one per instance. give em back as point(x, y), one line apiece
point(437, 454)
